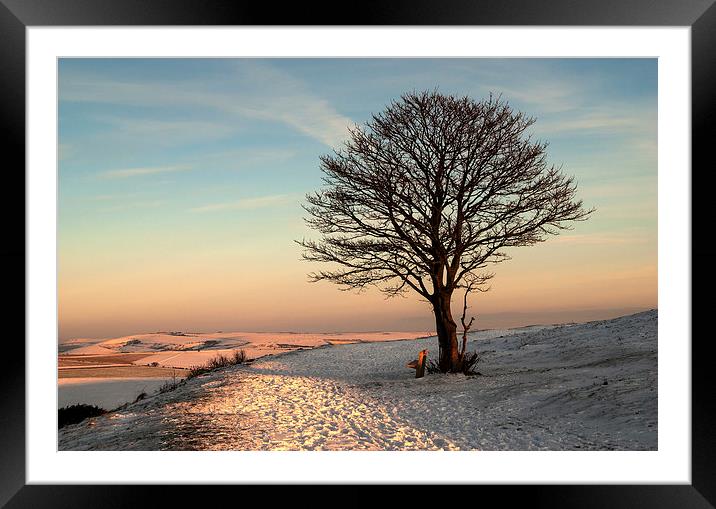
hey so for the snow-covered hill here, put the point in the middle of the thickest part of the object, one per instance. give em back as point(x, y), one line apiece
point(573, 387)
point(187, 349)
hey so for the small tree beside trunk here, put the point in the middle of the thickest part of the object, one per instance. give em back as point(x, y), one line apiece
point(427, 194)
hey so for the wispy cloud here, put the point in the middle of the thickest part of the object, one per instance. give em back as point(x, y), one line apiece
point(246, 203)
point(635, 187)
point(572, 105)
point(630, 211)
point(549, 96)
point(134, 205)
point(261, 92)
point(167, 132)
point(601, 239)
point(117, 196)
point(101, 197)
point(291, 102)
point(634, 121)
point(138, 172)
point(592, 122)
point(242, 158)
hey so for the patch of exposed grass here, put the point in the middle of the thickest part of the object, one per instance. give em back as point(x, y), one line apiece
point(77, 413)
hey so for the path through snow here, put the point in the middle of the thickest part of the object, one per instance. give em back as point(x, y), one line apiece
point(580, 387)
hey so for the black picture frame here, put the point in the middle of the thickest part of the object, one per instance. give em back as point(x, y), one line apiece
point(700, 15)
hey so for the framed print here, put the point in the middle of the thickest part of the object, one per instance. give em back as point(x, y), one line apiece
point(505, 194)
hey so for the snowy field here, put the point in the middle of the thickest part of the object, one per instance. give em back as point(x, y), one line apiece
point(111, 372)
point(187, 349)
point(589, 386)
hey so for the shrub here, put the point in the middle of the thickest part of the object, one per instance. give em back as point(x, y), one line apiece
point(77, 413)
point(432, 367)
point(239, 357)
point(469, 363)
point(195, 371)
point(169, 385)
point(468, 367)
point(218, 362)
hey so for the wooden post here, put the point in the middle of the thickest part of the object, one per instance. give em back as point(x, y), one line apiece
point(420, 369)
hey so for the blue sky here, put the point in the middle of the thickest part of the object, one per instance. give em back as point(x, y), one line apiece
point(170, 166)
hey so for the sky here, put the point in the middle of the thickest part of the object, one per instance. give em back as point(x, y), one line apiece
point(180, 184)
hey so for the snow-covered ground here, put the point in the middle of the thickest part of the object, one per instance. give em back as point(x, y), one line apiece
point(110, 372)
point(187, 349)
point(574, 387)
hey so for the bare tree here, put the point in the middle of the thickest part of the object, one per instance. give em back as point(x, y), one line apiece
point(428, 193)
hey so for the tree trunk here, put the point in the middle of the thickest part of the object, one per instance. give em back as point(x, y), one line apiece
point(447, 333)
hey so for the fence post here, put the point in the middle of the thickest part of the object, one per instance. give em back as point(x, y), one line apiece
point(420, 369)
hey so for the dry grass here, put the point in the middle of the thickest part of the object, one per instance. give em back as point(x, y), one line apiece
point(468, 366)
point(170, 385)
point(218, 362)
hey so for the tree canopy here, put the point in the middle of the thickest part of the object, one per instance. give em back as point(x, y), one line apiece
point(430, 191)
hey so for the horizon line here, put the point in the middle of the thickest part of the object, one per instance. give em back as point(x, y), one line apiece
point(430, 333)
